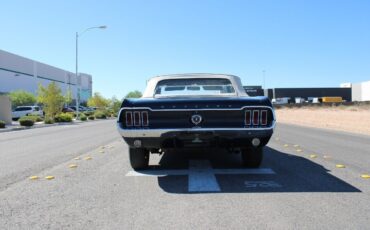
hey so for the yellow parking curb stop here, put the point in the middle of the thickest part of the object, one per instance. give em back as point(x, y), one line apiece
point(340, 166)
point(72, 166)
point(34, 177)
point(49, 177)
point(299, 150)
point(88, 158)
point(286, 145)
point(365, 176)
point(313, 155)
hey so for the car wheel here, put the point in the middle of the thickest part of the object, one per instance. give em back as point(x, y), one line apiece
point(252, 157)
point(139, 158)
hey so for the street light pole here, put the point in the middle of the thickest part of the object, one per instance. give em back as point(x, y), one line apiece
point(77, 78)
point(77, 92)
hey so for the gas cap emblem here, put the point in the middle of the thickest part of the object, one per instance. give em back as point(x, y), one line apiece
point(196, 119)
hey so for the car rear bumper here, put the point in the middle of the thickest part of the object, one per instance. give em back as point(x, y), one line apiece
point(195, 137)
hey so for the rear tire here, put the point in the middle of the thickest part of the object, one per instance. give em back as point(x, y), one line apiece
point(139, 158)
point(252, 157)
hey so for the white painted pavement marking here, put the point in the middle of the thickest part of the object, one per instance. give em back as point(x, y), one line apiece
point(159, 172)
point(201, 175)
point(262, 184)
point(185, 172)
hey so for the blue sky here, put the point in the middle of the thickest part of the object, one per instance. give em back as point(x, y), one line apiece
point(298, 43)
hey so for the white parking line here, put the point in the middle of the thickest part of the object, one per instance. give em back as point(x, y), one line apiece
point(201, 175)
point(159, 172)
point(202, 178)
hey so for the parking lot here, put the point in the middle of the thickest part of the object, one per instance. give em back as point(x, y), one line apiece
point(310, 179)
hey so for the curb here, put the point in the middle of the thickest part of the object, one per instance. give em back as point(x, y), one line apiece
point(19, 128)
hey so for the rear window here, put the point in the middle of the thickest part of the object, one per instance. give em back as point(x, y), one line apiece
point(194, 86)
point(23, 109)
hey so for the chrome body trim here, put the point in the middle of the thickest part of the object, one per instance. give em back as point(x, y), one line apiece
point(139, 133)
point(195, 109)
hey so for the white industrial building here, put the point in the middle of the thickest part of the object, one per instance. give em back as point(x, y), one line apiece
point(20, 73)
point(361, 91)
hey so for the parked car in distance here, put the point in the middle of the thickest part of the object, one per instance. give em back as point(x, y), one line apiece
point(196, 111)
point(91, 109)
point(21, 111)
point(80, 108)
point(67, 110)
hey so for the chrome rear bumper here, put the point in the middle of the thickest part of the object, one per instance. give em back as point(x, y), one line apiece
point(142, 133)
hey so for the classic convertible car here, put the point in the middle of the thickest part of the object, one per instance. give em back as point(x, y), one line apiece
point(195, 111)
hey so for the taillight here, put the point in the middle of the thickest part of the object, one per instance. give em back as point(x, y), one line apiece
point(248, 117)
point(256, 117)
point(137, 118)
point(144, 118)
point(264, 117)
point(256, 114)
point(128, 118)
point(137, 121)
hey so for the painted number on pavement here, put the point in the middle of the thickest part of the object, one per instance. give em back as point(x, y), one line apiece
point(262, 184)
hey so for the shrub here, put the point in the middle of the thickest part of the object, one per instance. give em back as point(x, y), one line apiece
point(83, 117)
point(49, 121)
point(100, 115)
point(2, 124)
point(35, 118)
point(88, 113)
point(63, 117)
point(91, 117)
point(26, 121)
point(108, 112)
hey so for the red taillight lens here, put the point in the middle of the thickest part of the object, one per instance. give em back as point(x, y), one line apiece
point(248, 117)
point(264, 117)
point(137, 121)
point(128, 118)
point(144, 118)
point(256, 114)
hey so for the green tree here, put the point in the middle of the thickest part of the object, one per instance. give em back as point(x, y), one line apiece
point(68, 97)
point(21, 97)
point(115, 104)
point(52, 99)
point(98, 101)
point(134, 94)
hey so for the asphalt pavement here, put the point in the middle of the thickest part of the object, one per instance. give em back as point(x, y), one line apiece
point(310, 179)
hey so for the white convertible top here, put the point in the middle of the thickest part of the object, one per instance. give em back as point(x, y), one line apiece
point(152, 82)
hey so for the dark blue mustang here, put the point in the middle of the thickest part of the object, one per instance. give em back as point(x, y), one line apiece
point(193, 111)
